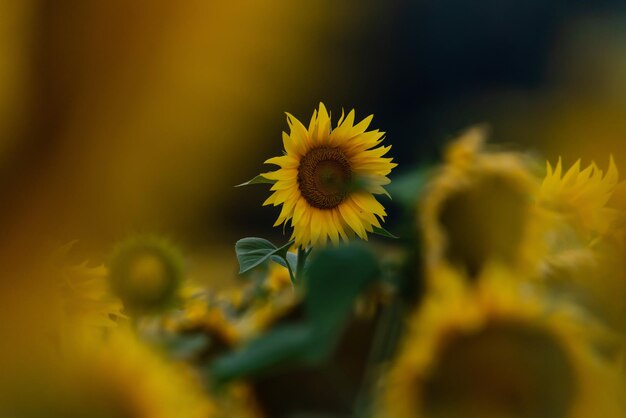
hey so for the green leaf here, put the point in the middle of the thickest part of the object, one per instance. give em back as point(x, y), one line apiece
point(334, 279)
point(257, 180)
point(290, 258)
point(277, 346)
point(252, 252)
point(383, 232)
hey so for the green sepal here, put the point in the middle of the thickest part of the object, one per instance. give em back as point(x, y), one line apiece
point(257, 180)
point(383, 232)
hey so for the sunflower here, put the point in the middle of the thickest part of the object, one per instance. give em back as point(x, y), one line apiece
point(479, 207)
point(265, 311)
point(500, 349)
point(277, 279)
point(586, 245)
point(86, 297)
point(78, 295)
point(581, 196)
point(109, 378)
point(202, 311)
point(146, 274)
point(328, 178)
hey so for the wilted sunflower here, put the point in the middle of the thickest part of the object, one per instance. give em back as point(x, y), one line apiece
point(328, 178)
point(500, 350)
point(479, 208)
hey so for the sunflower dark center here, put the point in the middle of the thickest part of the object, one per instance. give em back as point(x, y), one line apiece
point(506, 370)
point(484, 221)
point(324, 177)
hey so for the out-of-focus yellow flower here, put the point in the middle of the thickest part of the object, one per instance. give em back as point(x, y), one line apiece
point(110, 378)
point(592, 274)
point(78, 297)
point(146, 273)
point(277, 279)
point(265, 312)
point(202, 312)
point(581, 196)
point(328, 178)
point(585, 254)
point(500, 349)
point(229, 319)
point(86, 297)
point(479, 207)
point(214, 315)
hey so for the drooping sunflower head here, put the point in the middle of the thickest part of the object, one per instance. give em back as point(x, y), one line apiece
point(146, 273)
point(500, 349)
point(479, 208)
point(580, 197)
point(328, 178)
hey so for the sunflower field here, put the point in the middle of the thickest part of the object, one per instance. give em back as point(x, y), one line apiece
point(461, 256)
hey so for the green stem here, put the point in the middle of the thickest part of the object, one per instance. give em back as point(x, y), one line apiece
point(291, 275)
point(302, 255)
point(385, 338)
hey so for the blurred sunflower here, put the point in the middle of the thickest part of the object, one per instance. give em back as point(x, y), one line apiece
point(328, 178)
point(500, 350)
point(86, 296)
point(110, 378)
point(146, 274)
point(277, 279)
point(204, 312)
point(586, 257)
point(78, 296)
point(233, 317)
point(214, 316)
point(264, 313)
point(581, 196)
point(479, 207)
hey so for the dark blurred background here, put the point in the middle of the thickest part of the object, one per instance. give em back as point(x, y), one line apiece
point(121, 117)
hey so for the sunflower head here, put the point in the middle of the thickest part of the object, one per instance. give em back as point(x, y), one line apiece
point(146, 273)
point(500, 349)
point(328, 178)
point(479, 208)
